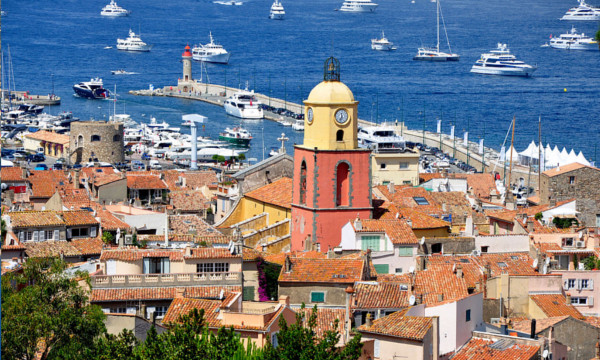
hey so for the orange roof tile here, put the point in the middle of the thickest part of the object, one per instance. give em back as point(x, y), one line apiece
point(541, 324)
point(44, 183)
point(431, 283)
point(381, 295)
point(565, 169)
point(397, 230)
point(210, 253)
point(11, 174)
point(189, 200)
point(277, 193)
point(88, 246)
point(280, 257)
point(251, 254)
point(45, 249)
point(79, 217)
point(48, 136)
point(323, 271)
point(159, 293)
point(185, 224)
point(134, 254)
point(420, 220)
point(326, 318)
point(25, 219)
point(135, 181)
point(480, 349)
point(399, 325)
point(182, 306)
point(555, 305)
point(107, 179)
point(481, 185)
point(110, 222)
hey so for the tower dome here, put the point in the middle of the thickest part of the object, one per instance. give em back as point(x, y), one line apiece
point(330, 92)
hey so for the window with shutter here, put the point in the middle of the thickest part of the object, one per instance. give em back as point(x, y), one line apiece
point(146, 266)
point(166, 266)
point(21, 236)
point(566, 284)
point(69, 232)
point(405, 251)
point(93, 231)
point(316, 297)
point(382, 268)
point(35, 236)
point(590, 284)
point(370, 243)
point(42, 235)
point(248, 293)
point(590, 301)
point(56, 234)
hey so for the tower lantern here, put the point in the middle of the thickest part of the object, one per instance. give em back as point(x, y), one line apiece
point(331, 70)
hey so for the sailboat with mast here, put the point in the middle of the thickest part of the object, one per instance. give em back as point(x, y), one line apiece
point(434, 53)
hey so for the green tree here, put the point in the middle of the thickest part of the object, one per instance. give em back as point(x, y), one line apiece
point(590, 262)
point(241, 157)
point(50, 314)
point(539, 216)
point(107, 237)
point(597, 37)
point(114, 347)
point(299, 342)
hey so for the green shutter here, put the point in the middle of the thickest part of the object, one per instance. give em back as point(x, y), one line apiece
point(405, 251)
point(248, 294)
point(317, 297)
point(370, 243)
point(382, 268)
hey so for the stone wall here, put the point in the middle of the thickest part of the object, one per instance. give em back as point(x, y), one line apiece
point(96, 139)
point(450, 245)
point(569, 332)
point(585, 189)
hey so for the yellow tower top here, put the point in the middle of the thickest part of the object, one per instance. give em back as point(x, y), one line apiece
point(331, 116)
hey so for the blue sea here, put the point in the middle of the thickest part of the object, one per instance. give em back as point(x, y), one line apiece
point(60, 43)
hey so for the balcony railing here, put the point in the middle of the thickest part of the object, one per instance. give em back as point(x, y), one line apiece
point(165, 280)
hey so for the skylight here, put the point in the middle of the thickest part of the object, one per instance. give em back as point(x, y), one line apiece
point(421, 200)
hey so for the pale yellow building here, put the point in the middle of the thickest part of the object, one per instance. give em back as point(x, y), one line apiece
point(395, 167)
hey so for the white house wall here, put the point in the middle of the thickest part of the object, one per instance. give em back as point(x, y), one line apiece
point(503, 243)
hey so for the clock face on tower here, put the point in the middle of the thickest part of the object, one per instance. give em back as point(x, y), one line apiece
point(309, 115)
point(341, 116)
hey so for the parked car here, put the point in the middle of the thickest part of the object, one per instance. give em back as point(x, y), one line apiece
point(155, 165)
point(57, 166)
point(36, 157)
point(41, 167)
point(146, 156)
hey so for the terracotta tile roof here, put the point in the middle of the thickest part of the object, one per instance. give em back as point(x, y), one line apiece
point(48, 136)
point(541, 324)
point(425, 177)
point(397, 230)
point(110, 222)
point(280, 257)
point(399, 325)
point(480, 349)
point(25, 219)
point(592, 320)
point(88, 246)
point(196, 180)
point(134, 254)
point(44, 183)
point(251, 254)
point(159, 293)
point(565, 169)
point(210, 253)
point(472, 272)
point(323, 271)
point(184, 224)
point(107, 179)
point(421, 220)
point(381, 295)
point(431, 283)
point(75, 198)
point(404, 197)
point(555, 305)
point(189, 200)
point(11, 174)
point(277, 193)
point(481, 185)
point(79, 217)
point(326, 318)
point(473, 266)
point(183, 306)
point(135, 181)
point(97, 172)
point(44, 249)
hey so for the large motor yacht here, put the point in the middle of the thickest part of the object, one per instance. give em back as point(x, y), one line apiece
point(277, 11)
point(210, 52)
point(501, 62)
point(91, 89)
point(381, 138)
point(574, 41)
point(582, 12)
point(382, 44)
point(243, 104)
point(133, 43)
point(114, 10)
point(238, 136)
point(358, 6)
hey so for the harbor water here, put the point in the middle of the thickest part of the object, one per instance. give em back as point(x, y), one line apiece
point(62, 43)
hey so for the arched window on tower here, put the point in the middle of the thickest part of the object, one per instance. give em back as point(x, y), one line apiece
point(79, 141)
point(95, 138)
point(117, 138)
point(339, 136)
point(303, 183)
point(342, 185)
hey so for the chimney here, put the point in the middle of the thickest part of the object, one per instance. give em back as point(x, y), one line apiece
point(368, 322)
point(179, 292)
point(598, 350)
point(529, 225)
point(166, 229)
point(391, 187)
point(357, 223)
point(532, 333)
point(24, 172)
point(504, 329)
point(188, 251)
point(347, 323)
point(284, 300)
point(76, 179)
point(440, 297)
point(288, 264)
point(568, 299)
point(469, 226)
point(459, 271)
point(409, 222)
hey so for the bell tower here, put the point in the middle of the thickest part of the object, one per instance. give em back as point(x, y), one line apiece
point(331, 174)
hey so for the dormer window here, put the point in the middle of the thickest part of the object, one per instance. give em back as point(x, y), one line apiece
point(567, 242)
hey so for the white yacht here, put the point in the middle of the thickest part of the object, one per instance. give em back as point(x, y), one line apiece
point(382, 44)
point(210, 52)
point(434, 53)
point(243, 104)
point(133, 43)
point(501, 62)
point(574, 41)
point(298, 125)
point(277, 11)
point(358, 6)
point(582, 12)
point(381, 138)
point(113, 10)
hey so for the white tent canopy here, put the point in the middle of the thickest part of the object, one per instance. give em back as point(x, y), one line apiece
point(552, 157)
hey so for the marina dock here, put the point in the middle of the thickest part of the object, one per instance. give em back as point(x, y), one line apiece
point(23, 97)
point(489, 161)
